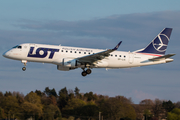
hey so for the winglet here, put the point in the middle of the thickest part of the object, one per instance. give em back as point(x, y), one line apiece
point(117, 46)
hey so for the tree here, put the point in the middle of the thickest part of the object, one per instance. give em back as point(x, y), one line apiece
point(115, 109)
point(32, 105)
point(76, 91)
point(51, 112)
point(90, 96)
point(30, 110)
point(10, 105)
point(50, 92)
point(147, 114)
point(8, 94)
point(39, 93)
point(74, 106)
point(157, 107)
point(33, 98)
point(90, 109)
point(63, 98)
point(174, 114)
point(168, 106)
point(2, 115)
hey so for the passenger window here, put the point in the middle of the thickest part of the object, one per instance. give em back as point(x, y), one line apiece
point(79, 52)
point(89, 53)
point(111, 54)
point(61, 50)
point(84, 52)
point(115, 55)
point(124, 56)
point(75, 52)
point(66, 51)
point(70, 51)
point(119, 55)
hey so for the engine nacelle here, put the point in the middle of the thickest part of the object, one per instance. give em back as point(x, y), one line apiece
point(66, 64)
point(69, 62)
point(62, 68)
point(72, 63)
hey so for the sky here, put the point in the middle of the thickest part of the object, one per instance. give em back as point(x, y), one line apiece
point(92, 24)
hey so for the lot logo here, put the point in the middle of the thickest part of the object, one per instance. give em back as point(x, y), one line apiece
point(160, 43)
point(42, 52)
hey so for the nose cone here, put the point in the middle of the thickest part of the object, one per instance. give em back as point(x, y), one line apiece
point(6, 54)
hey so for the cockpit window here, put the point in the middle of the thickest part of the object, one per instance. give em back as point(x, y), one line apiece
point(17, 46)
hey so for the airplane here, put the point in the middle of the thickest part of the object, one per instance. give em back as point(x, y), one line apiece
point(70, 58)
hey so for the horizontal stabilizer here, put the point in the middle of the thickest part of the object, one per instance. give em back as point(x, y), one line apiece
point(162, 57)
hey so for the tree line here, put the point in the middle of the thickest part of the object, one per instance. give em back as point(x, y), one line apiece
point(73, 105)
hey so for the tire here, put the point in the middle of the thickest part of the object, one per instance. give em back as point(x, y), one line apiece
point(88, 71)
point(84, 73)
point(24, 68)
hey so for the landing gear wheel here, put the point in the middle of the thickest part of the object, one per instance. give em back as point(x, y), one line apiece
point(24, 68)
point(84, 73)
point(88, 71)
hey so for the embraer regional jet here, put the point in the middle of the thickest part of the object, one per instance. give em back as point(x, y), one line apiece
point(69, 58)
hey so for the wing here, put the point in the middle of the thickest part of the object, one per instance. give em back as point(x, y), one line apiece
point(97, 56)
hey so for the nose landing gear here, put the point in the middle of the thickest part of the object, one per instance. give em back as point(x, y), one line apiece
point(24, 62)
point(86, 72)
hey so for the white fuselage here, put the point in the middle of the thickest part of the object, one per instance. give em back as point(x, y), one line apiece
point(55, 55)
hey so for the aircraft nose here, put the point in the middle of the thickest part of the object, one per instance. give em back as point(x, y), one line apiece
point(6, 54)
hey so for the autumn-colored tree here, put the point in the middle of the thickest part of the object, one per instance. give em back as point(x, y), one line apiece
point(114, 109)
point(74, 106)
point(30, 110)
point(2, 115)
point(32, 106)
point(10, 106)
point(157, 107)
point(51, 112)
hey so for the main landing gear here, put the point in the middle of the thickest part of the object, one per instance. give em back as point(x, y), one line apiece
point(24, 62)
point(86, 72)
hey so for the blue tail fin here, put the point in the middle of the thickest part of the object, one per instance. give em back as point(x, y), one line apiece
point(159, 44)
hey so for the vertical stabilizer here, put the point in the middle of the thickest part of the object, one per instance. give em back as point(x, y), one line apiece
point(159, 44)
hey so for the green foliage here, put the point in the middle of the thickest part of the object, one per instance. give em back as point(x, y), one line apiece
point(10, 105)
point(174, 114)
point(51, 112)
point(50, 92)
point(168, 106)
point(63, 98)
point(90, 96)
point(33, 98)
point(48, 105)
point(115, 109)
point(2, 115)
point(31, 109)
point(76, 91)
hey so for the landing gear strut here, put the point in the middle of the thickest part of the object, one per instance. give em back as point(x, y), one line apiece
point(86, 72)
point(24, 62)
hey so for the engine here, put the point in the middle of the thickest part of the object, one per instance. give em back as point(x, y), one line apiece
point(68, 64)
